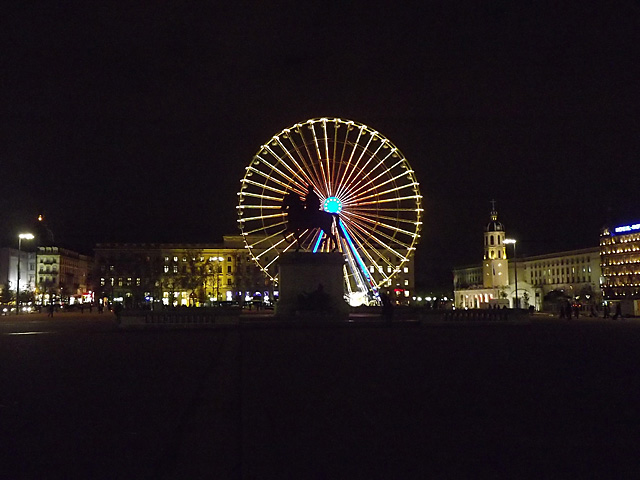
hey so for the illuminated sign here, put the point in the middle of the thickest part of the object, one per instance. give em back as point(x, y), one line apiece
point(627, 228)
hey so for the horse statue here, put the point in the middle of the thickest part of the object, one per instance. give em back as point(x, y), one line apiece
point(299, 218)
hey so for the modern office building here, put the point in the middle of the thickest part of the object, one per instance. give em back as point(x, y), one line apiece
point(620, 263)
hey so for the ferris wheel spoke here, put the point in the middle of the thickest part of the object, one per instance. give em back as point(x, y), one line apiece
point(295, 173)
point(380, 218)
point(362, 189)
point(357, 181)
point(378, 235)
point(265, 186)
point(375, 223)
point(336, 165)
point(348, 166)
point(362, 233)
point(261, 228)
point(387, 200)
point(323, 180)
point(293, 178)
point(268, 178)
point(345, 142)
point(306, 171)
point(390, 189)
point(355, 168)
point(308, 167)
point(260, 241)
point(359, 243)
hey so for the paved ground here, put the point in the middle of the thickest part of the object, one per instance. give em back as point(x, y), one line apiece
point(545, 399)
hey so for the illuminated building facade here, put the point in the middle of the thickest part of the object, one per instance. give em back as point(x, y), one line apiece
point(543, 280)
point(620, 263)
point(61, 274)
point(9, 269)
point(401, 286)
point(142, 275)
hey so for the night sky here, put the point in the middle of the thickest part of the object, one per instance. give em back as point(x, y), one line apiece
point(134, 122)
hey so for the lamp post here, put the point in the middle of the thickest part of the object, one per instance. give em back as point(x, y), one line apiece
point(511, 241)
point(218, 273)
point(25, 236)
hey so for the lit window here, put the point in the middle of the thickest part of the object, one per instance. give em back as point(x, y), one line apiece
point(406, 282)
point(166, 269)
point(175, 259)
point(175, 269)
point(405, 269)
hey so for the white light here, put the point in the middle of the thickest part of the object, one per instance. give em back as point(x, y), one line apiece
point(26, 236)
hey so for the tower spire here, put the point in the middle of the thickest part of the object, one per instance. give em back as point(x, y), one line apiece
point(494, 214)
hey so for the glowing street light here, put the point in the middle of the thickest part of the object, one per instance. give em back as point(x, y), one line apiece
point(22, 236)
point(511, 241)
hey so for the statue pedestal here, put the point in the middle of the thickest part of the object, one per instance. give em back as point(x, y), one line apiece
point(311, 285)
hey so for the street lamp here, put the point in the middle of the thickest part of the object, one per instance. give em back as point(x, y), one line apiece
point(511, 241)
point(22, 236)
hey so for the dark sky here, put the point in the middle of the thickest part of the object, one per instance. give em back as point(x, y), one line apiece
point(134, 122)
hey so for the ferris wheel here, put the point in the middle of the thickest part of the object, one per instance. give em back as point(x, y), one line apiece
point(361, 178)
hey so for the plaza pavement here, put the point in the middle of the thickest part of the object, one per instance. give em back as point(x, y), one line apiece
point(80, 398)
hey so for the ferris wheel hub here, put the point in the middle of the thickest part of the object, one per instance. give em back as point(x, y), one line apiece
point(332, 205)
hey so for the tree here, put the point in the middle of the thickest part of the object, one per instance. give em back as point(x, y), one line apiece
point(6, 295)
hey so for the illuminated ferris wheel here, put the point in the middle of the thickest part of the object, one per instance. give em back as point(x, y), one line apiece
point(360, 176)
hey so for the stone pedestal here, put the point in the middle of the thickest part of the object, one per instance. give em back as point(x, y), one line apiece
point(311, 285)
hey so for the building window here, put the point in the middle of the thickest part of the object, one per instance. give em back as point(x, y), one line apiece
point(175, 269)
point(166, 269)
point(175, 259)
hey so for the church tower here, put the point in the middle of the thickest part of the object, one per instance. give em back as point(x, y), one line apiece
point(495, 272)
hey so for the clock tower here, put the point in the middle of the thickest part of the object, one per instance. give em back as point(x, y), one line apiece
point(495, 272)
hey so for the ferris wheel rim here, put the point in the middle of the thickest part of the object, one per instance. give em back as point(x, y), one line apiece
point(380, 201)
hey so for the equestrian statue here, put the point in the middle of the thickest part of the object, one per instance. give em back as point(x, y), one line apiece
point(303, 215)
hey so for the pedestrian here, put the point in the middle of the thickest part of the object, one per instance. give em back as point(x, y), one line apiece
point(618, 311)
point(606, 311)
point(51, 307)
point(100, 307)
point(387, 308)
point(82, 308)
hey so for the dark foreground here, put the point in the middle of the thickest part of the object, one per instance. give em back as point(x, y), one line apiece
point(546, 399)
